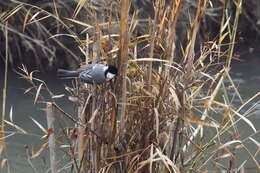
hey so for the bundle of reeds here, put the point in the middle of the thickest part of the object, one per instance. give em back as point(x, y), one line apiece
point(159, 115)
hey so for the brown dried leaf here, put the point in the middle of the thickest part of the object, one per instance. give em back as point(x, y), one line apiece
point(3, 163)
point(15, 126)
point(40, 126)
point(26, 18)
point(43, 147)
point(37, 93)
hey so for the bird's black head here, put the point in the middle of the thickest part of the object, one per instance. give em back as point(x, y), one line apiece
point(112, 69)
point(110, 72)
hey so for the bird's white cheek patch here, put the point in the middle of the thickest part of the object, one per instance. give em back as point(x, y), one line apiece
point(110, 76)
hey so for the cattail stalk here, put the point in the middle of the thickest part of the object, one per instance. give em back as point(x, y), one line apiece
point(50, 113)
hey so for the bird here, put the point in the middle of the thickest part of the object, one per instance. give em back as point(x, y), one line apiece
point(90, 73)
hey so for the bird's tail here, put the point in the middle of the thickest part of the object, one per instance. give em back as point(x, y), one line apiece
point(67, 74)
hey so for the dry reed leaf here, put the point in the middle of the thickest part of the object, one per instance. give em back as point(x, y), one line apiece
point(104, 37)
point(93, 115)
point(228, 144)
point(224, 106)
point(28, 90)
point(245, 119)
point(30, 76)
point(38, 20)
point(194, 119)
point(3, 163)
point(149, 160)
point(65, 146)
point(214, 94)
point(148, 93)
point(234, 87)
point(148, 59)
point(2, 139)
point(37, 93)
point(58, 96)
point(26, 18)
point(239, 146)
point(133, 162)
point(10, 13)
point(125, 154)
point(156, 122)
point(24, 74)
point(163, 22)
point(78, 8)
point(223, 37)
point(208, 76)
point(69, 89)
point(16, 126)
point(34, 16)
point(42, 148)
point(59, 35)
point(151, 155)
point(248, 101)
point(11, 114)
point(167, 162)
point(223, 156)
point(159, 156)
point(24, 69)
point(241, 168)
point(134, 22)
point(225, 25)
point(73, 99)
point(163, 140)
point(255, 142)
point(40, 126)
point(90, 26)
point(175, 98)
point(7, 136)
point(175, 68)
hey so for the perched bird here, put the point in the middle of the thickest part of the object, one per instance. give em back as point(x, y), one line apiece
point(91, 73)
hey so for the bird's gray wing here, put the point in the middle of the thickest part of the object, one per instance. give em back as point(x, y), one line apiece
point(86, 67)
point(85, 73)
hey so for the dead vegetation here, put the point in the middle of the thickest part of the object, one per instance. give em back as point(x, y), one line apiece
point(167, 111)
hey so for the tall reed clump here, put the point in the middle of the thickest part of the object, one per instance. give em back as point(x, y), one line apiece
point(166, 111)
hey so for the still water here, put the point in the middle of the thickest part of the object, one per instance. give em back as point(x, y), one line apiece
point(23, 111)
point(246, 76)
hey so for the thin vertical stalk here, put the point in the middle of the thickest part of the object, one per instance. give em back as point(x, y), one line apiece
point(123, 62)
point(93, 140)
point(175, 136)
point(234, 31)
point(94, 148)
point(82, 140)
point(29, 159)
point(50, 113)
point(83, 117)
point(176, 6)
point(153, 36)
point(222, 28)
point(81, 137)
point(189, 51)
point(2, 141)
